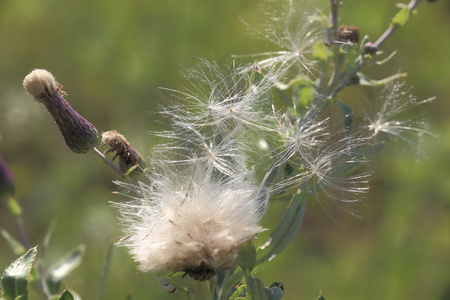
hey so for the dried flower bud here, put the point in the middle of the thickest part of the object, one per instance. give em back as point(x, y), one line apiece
point(7, 185)
point(128, 157)
point(348, 33)
point(370, 48)
point(80, 135)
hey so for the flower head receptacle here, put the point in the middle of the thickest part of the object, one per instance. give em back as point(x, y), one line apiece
point(80, 135)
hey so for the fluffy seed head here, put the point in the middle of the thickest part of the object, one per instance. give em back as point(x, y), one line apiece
point(193, 221)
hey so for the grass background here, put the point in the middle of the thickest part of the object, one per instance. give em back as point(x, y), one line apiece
point(113, 55)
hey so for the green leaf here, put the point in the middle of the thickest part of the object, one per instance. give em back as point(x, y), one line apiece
point(301, 80)
point(240, 292)
point(46, 239)
point(286, 230)
point(382, 62)
point(321, 297)
point(15, 277)
point(401, 17)
point(105, 270)
point(247, 257)
point(363, 80)
point(258, 291)
point(15, 246)
point(177, 281)
point(59, 270)
point(364, 40)
point(347, 115)
point(14, 208)
point(305, 96)
point(321, 52)
point(66, 295)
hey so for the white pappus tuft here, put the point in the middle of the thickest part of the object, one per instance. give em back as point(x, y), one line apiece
point(384, 117)
point(38, 82)
point(292, 28)
point(194, 221)
point(223, 101)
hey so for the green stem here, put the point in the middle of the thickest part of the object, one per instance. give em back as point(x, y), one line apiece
point(208, 289)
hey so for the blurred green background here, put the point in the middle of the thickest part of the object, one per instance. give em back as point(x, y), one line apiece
point(113, 55)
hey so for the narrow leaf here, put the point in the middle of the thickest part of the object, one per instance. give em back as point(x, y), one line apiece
point(59, 270)
point(381, 62)
point(286, 230)
point(247, 257)
point(177, 281)
point(15, 277)
point(363, 80)
point(15, 246)
point(105, 271)
point(401, 17)
point(240, 292)
point(47, 237)
point(347, 115)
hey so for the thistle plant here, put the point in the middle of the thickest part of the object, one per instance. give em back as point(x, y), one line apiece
point(268, 126)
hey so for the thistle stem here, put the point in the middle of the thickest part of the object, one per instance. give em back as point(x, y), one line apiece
point(107, 161)
point(332, 23)
point(208, 290)
point(393, 28)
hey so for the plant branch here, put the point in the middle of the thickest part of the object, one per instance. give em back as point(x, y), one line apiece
point(332, 23)
point(360, 62)
point(392, 28)
point(108, 162)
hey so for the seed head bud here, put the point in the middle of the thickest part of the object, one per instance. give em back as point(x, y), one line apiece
point(370, 48)
point(7, 185)
point(80, 135)
point(128, 157)
point(348, 33)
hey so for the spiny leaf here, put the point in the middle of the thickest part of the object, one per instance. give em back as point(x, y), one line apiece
point(15, 277)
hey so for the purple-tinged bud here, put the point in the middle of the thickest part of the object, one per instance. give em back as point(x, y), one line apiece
point(128, 157)
point(80, 135)
point(370, 48)
point(348, 33)
point(7, 185)
point(431, 0)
